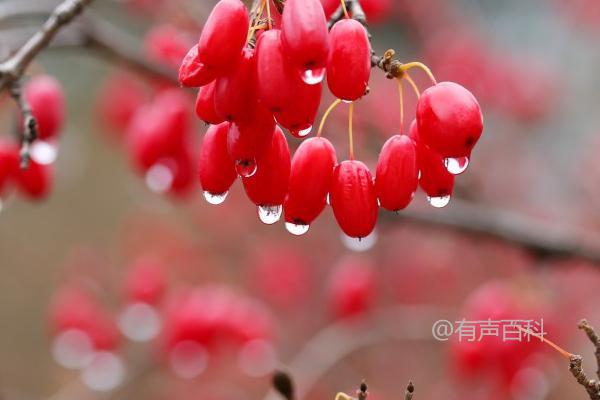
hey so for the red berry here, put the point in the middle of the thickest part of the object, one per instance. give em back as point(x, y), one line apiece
point(397, 174)
point(377, 10)
point(353, 199)
point(247, 141)
point(217, 170)
point(183, 167)
point(275, 75)
point(449, 119)
point(167, 45)
point(236, 90)
point(223, 35)
point(46, 99)
point(300, 116)
point(192, 73)
point(349, 64)
point(304, 34)
point(35, 181)
point(310, 181)
point(352, 288)
point(9, 163)
point(435, 179)
point(205, 105)
point(269, 185)
point(120, 97)
point(329, 7)
point(145, 281)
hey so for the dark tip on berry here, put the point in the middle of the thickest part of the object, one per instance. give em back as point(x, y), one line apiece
point(470, 142)
point(282, 382)
point(298, 221)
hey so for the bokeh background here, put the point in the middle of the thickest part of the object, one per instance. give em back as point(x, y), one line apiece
point(532, 64)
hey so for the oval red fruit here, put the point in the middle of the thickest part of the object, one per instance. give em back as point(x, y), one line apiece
point(449, 119)
point(192, 73)
point(269, 185)
point(302, 111)
point(45, 97)
point(224, 35)
point(353, 199)
point(310, 181)
point(35, 181)
point(9, 163)
point(352, 288)
point(349, 64)
point(397, 174)
point(217, 170)
point(237, 89)
point(205, 105)
point(304, 34)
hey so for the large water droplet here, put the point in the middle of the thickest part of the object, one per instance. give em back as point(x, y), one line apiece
point(159, 178)
point(257, 358)
point(296, 229)
point(73, 349)
point(246, 168)
point(269, 214)
point(139, 322)
point(303, 133)
point(456, 166)
point(215, 199)
point(360, 244)
point(439, 202)
point(347, 101)
point(313, 76)
point(105, 373)
point(44, 153)
point(188, 359)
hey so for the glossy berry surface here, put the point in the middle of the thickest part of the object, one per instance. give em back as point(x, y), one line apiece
point(349, 64)
point(310, 181)
point(449, 119)
point(205, 105)
point(35, 181)
point(397, 174)
point(46, 99)
point(192, 73)
point(217, 169)
point(353, 199)
point(236, 90)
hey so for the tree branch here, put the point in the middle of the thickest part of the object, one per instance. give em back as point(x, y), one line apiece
point(595, 339)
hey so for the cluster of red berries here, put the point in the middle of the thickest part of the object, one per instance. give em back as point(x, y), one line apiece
point(44, 95)
point(247, 93)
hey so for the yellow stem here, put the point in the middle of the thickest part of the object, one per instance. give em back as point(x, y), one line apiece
point(256, 19)
point(417, 64)
point(269, 22)
point(401, 92)
point(556, 347)
point(329, 110)
point(350, 135)
point(412, 84)
point(342, 396)
point(345, 9)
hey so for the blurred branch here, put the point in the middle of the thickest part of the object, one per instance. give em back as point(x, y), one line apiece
point(12, 69)
point(595, 339)
point(509, 227)
point(410, 390)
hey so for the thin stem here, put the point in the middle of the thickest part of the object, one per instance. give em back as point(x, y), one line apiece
point(350, 133)
point(556, 347)
point(417, 64)
point(269, 21)
point(326, 115)
point(401, 93)
point(413, 85)
point(345, 9)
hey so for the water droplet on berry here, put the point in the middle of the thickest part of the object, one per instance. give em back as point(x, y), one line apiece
point(73, 349)
point(139, 322)
point(419, 176)
point(347, 101)
point(44, 153)
point(269, 214)
point(439, 202)
point(456, 166)
point(303, 133)
point(313, 76)
point(159, 178)
point(257, 358)
point(188, 359)
point(246, 168)
point(215, 199)
point(296, 229)
point(105, 373)
point(360, 244)
point(327, 200)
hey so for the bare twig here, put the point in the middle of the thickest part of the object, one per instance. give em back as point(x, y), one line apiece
point(595, 339)
point(410, 390)
point(591, 386)
point(30, 127)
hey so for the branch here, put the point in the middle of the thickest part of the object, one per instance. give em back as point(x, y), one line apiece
point(30, 126)
point(594, 338)
point(410, 390)
point(590, 385)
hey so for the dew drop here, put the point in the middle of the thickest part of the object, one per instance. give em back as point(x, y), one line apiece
point(313, 76)
point(360, 244)
point(215, 199)
point(456, 166)
point(159, 178)
point(296, 229)
point(419, 176)
point(44, 153)
point(139, 322)
point(269, 214)
point(327, 200)
point(73, 349)
point(246, 168)
point(439, 202)
point(303, 133)
point(257, 358)
point(105, 373)
point(188, 359)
